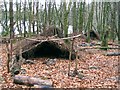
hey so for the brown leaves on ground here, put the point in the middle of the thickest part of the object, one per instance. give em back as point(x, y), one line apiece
point(98, 70)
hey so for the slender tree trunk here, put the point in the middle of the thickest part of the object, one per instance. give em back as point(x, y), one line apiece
point(37, 16)
point(30, 18)
point(24, 19)
point(45, 15)
point(105, 26)
point(53, 15)
point(6, 19)
point(119, 22)
point(80, 17)
point(90, 22)
point(17, 16)
point(20, 18)
point(11, 31)
point(101, 20)
point(74, 17)
point(59, 15)
point(65, 17)
point(11, 19)
point(33, 23)
point(65, 20)
point(49, 12)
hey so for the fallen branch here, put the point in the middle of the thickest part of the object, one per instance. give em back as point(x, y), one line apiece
point(54, 39)
point(109, 44)
point(113, 54)
point(31, 81)
point(99, 48)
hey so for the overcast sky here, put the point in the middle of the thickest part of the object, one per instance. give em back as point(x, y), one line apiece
point(58, 1)
point(42, 1)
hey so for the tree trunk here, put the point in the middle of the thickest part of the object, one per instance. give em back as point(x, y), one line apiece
point(24, 18)
point(74, 17)
point(37, 16)
point(33, 23)
point(90, 22)
point(20, 18)
point(80, 17)
point(119, 22)
point(49, 12)
point(11, 19)
point(11, 31)
point(30, 18)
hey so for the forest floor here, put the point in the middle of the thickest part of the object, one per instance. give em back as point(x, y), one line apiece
point(99, 71)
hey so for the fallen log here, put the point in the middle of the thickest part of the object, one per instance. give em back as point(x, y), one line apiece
point(113, 54)
point(31, 81)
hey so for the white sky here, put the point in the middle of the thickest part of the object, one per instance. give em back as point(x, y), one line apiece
point(43, 1)
point(87, 1)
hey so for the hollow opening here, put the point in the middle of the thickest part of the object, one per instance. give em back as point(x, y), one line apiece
point(48, 49)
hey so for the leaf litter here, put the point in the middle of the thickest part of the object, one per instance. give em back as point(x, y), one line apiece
point(99, 71)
